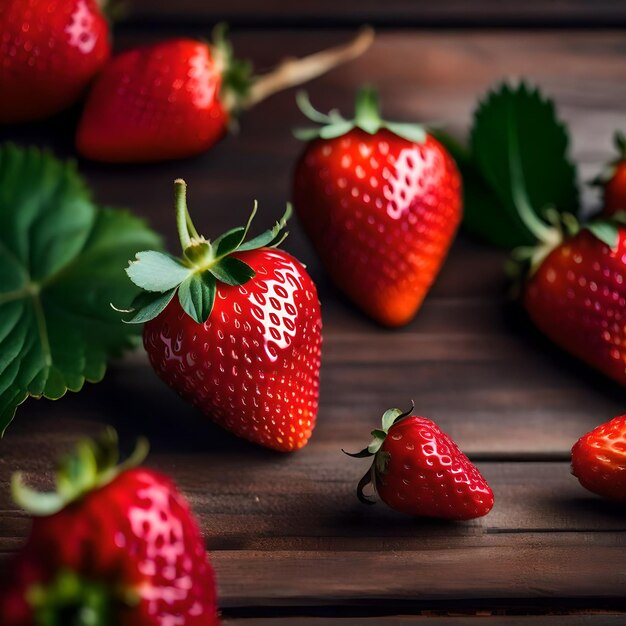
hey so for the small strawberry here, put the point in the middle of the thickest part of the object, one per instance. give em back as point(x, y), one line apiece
point(381, 203)
point(576, 294)
point(116, 544)
point(241, 340)
point(50, 50)
point(176, 98)
point(419, 470)
point(612, 180)
point(599, 460)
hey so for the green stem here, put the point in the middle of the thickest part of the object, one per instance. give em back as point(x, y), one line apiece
point(182, 215)
point(367, 110)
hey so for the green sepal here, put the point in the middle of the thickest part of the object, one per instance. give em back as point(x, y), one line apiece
point(232, 271)
point(366, 117)
point(203, 264)
point(389, 417)
point(197, 296)
point(608, 171)
point(157, 271)
point(147, 305)
point(270, 237)
point(381, 457)
point(237, 77)
point(92, 464)
point(604, 230)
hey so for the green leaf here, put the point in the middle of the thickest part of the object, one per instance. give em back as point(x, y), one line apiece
point(157, 271)
point(229, 241)
point(61, 264)
point(411, 132)
point(517, 146)
point(604, 230)
point(232, 271)
point(377, 441)
point(197, 296)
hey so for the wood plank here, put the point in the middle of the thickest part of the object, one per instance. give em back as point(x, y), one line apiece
point(394, 12)
point(601, 619)
point(247, 499)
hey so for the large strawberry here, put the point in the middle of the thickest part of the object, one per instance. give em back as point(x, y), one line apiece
point(417, 469)
point(381, 203)
point(599, 460)
point(50, 51)
point(575, 292)
point(176, 98)
point(115, 545)
point(612, 179)
point(234, 326)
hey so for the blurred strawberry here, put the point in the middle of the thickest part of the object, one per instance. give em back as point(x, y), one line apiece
point(50, 50)
point(612, 179)
point(115, 544)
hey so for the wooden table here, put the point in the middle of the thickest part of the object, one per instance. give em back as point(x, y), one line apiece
point(289, 541)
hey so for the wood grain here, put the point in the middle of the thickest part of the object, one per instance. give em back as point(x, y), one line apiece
point(602, 619)
point(286, 531)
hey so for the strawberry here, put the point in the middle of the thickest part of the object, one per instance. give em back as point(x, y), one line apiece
point(576, 295)
point(612, 180)
point(114, 545)
point(599, 460)
point(176, 98)
point(417, 469)
point(242, 338)
point(50, 50)
point(381, 203)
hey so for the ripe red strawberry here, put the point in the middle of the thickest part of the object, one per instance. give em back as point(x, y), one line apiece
point(381, 203)
point(177, 98)
point(50, 51)
point(599, 460)
point(115, 545)
point(242, 338)
point(577, 297)
point(419, 470)
point(612, 180)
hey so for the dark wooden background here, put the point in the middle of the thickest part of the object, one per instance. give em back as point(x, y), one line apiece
point(289, 541)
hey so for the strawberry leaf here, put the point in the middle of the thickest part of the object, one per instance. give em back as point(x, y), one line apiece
point(518, 148)
point(61, 264)
point(148, 304)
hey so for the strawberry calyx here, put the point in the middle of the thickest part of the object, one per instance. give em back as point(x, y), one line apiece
point(366, 117)
point(381, 459)
point(608, 171)
point(92, 464)
point(193, 277)
point(70, 599)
